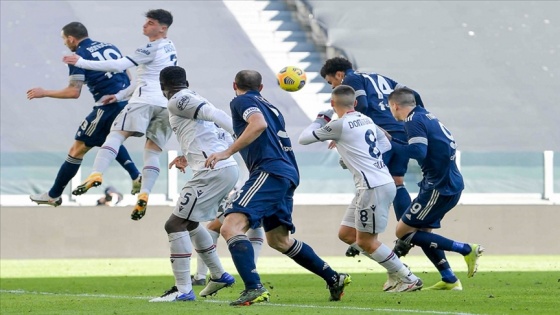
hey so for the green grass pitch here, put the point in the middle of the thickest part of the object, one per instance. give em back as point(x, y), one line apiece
point(503, 285)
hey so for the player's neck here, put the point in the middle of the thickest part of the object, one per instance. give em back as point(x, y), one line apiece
point(159, 36)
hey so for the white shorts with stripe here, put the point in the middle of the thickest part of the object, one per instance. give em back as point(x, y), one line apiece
point(369, 210)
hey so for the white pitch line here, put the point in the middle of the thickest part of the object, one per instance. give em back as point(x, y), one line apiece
point(349, 308)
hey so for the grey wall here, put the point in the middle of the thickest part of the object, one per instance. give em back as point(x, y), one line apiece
point(490, 70)
point(106, 232)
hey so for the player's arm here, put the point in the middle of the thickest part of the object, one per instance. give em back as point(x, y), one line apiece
point(111, 65)
point(256, 125)
point(383, 143)
point(73, 90)
point(321, 129)
point(211, 113)
point(417, 145)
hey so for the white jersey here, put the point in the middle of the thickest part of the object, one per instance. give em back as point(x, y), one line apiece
point(150, 60)
point(192, 119)
point(360, 144)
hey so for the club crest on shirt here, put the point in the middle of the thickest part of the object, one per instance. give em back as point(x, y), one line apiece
point(182, 103)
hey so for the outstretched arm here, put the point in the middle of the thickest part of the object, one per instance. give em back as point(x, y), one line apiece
point(112, 65)
point(73, 90)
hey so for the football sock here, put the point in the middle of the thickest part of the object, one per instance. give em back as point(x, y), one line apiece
point(201, 268)
point(426, 239)
point(126, 162)
point(384, 256)
point(304, 256)
point(358, 248)
point(67, 171)
point(402, 201)
point(181, 250)
point(150, 172)
point(107, 152)
point(206, 250)
point(256, 237)
point(243, 257)
point(437, 257)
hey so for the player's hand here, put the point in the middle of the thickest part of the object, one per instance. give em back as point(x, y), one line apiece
point(332, 145)
point(108, 99)
point(35, 93)
point(324, 116)
point(214, 158)
point(342, 164)
point(71, 60)
point(180, 163)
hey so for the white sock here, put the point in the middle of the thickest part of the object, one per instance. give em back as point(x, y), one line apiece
point(256, 236)
point(206, 249)
point(384, 256)
point(358, 248)
point(201, 268)
point(108, 152)
point(150, 172)
point(181, 251)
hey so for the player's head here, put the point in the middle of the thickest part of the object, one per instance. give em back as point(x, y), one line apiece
point(72, 34)
point(157, 23)
point(172, 79)
point(334, 70)
point(247, 80)
point(343, 99)
point(401, 102)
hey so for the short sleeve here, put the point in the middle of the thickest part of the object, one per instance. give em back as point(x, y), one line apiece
point(186, 105)
point(76, 74)
point(144, 54)
point(356, 82)
point(330, 131)
point(244, 106)
point(416, 131)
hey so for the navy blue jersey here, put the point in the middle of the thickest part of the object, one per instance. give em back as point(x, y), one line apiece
point(99, 83)
point(431, 143)
point(372, 94)
point(272, 151)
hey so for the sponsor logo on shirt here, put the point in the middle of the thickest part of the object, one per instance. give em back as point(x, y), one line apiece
point(182, 103)
point(143, 51)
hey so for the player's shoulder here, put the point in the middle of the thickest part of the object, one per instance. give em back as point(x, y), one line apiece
point(184, 99)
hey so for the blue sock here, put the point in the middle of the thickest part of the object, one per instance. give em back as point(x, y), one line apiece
point(304, 256)
point(402, 201)
point(126, 162)
point(243, 257)
point(437, 257)
point(67, 171)
point(427, 239)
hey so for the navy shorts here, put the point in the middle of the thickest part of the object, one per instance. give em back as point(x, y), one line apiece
point(396, 162)
point(97, 125)
point(427, 210)
point(268, 199)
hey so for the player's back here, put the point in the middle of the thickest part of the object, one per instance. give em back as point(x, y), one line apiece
point(198, 138)
point(99, 83)
point(272, 151)
point(151, 59)
point(376, 88)
point(361, 151)
point(439, 166)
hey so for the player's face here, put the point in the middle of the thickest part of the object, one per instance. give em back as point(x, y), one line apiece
point(335, 80)
point(153, 29)
point(394, 110)
point(69, 41)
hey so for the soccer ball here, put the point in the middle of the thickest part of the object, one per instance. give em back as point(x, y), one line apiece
point(291, 79)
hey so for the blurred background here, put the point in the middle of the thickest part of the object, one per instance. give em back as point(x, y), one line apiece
point(489, 70)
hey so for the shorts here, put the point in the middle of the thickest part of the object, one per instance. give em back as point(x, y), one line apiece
point(427, 210)
point(97, 125)
point(397, 163)
point(369, 210)
point(145, 119)
point(202, 195)
point(267, 199)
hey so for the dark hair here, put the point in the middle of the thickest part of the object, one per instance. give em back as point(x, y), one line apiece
point(173, 77)
point(248, 80)
point(335, 64)
point(347, 94)
point(162, 16)
point(403, 97)
point(76, 30)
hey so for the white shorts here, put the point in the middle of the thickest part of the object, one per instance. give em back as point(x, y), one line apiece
point(201, 196)
point(145, 119)
point(369, 210)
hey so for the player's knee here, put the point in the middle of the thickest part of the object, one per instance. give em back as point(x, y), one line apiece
point(214, 225)
point(175, 224)
point(346, 236)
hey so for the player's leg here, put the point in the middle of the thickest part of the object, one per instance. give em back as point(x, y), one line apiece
point(123, 157)
point(347, 229)
point(425, 213)
point(158, 132)
point(67, 171)
point(277, 223)
point(397, 163)
point(371, 217)
point(213, 228)
point(256, 237)
point(181, 251)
